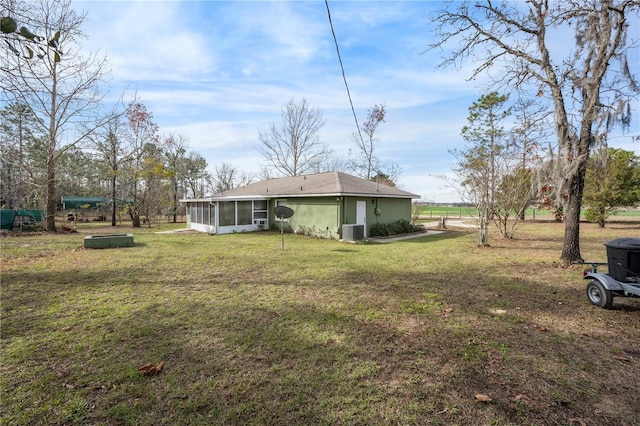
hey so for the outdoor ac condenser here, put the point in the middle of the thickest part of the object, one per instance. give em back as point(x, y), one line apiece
point(352, 232)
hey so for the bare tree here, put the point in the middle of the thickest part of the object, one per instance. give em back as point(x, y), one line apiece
point(174, 148)
point(224, 177)
point(143, 139)
point(196, 177)
point(293, 148)
point(110, 144)
point(366, 163)
point(583, 87)
point(227, 177)
point(62, 94)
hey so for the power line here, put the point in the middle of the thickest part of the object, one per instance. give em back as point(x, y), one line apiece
point(344, 77)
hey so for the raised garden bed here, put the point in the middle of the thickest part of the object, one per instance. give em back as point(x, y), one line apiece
point(108, 241)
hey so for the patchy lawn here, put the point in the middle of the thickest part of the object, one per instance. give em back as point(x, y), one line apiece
point(425, 331)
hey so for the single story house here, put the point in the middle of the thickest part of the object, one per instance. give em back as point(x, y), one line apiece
point(322, 205)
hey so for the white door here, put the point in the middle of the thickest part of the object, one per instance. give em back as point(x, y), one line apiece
point(361, 215)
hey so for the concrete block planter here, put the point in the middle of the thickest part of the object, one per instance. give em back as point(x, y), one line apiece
point(108, 241)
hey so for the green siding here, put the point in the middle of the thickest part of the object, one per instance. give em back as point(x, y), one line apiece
point(324, 216)
point(390, 210)
point(311, 216)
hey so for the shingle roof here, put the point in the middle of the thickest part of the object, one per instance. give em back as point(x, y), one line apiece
point(319, 184)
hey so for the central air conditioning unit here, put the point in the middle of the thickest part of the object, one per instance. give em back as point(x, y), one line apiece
point(352, 232)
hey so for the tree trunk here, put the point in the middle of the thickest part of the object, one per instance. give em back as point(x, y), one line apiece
point(135, 220)
point(114, 204)
point(175, 201)
point(575, 189)
point(50, 222)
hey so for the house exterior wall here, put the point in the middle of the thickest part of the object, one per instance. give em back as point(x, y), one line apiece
point(318, 216)
point(379, 210)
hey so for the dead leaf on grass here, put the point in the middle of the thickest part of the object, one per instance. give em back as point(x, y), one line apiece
point(480, 397)
point(623, 358)
point(577, 420)
point(150, 369)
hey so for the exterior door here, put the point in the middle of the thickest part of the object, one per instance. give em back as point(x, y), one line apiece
point(361, 215)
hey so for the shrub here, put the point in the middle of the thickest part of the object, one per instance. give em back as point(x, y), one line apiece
point(401, 226)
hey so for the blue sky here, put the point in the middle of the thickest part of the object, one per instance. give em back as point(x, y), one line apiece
point(218, 72)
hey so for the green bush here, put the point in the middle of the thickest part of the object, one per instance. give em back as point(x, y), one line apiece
point(401, 226)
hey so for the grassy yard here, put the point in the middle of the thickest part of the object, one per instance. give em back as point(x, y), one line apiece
point(320, 333)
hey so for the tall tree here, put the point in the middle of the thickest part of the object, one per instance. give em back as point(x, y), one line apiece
point(293, 147)
point(612, 181)
point(18, 182)
point(367, 163)
point(478, 166)
point(488, 137)
point(62, 94)
point(196, 177)
point(174, 148)
point(143, 134)
point(530, 133)
point(583, 87)
point(113, 151)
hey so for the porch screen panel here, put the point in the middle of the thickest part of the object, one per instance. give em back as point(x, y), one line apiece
point(212, 214)
point(200, 215)
point(244, 212)
point(205, 213)
point(227, 213)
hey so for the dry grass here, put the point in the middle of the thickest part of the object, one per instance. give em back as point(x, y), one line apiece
point(320, 333)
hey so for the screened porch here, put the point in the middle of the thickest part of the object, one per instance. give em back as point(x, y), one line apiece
point(224, 217)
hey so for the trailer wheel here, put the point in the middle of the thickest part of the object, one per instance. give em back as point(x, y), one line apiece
point(598, 295)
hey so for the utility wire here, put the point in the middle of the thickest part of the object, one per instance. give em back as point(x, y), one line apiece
point(344, 77)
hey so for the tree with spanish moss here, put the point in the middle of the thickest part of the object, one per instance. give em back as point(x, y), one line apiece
point(589, 89)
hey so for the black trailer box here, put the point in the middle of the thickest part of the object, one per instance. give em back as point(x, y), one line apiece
point(623, 257)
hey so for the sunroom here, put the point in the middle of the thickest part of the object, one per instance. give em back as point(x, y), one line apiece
point(227, 216)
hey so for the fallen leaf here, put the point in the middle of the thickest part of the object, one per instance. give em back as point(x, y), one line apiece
point(622, 358)
point(520, 396)
point(577, 420)
point(150, 369)
point(482, 398)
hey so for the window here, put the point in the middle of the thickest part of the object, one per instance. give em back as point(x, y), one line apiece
point(260, 211)
point(244, 212)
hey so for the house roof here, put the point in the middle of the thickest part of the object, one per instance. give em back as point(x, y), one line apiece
point(319, 184)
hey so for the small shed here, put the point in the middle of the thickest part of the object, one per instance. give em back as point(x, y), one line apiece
point(322, 203)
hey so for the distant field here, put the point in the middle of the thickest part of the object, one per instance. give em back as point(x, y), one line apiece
point(435, 212)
